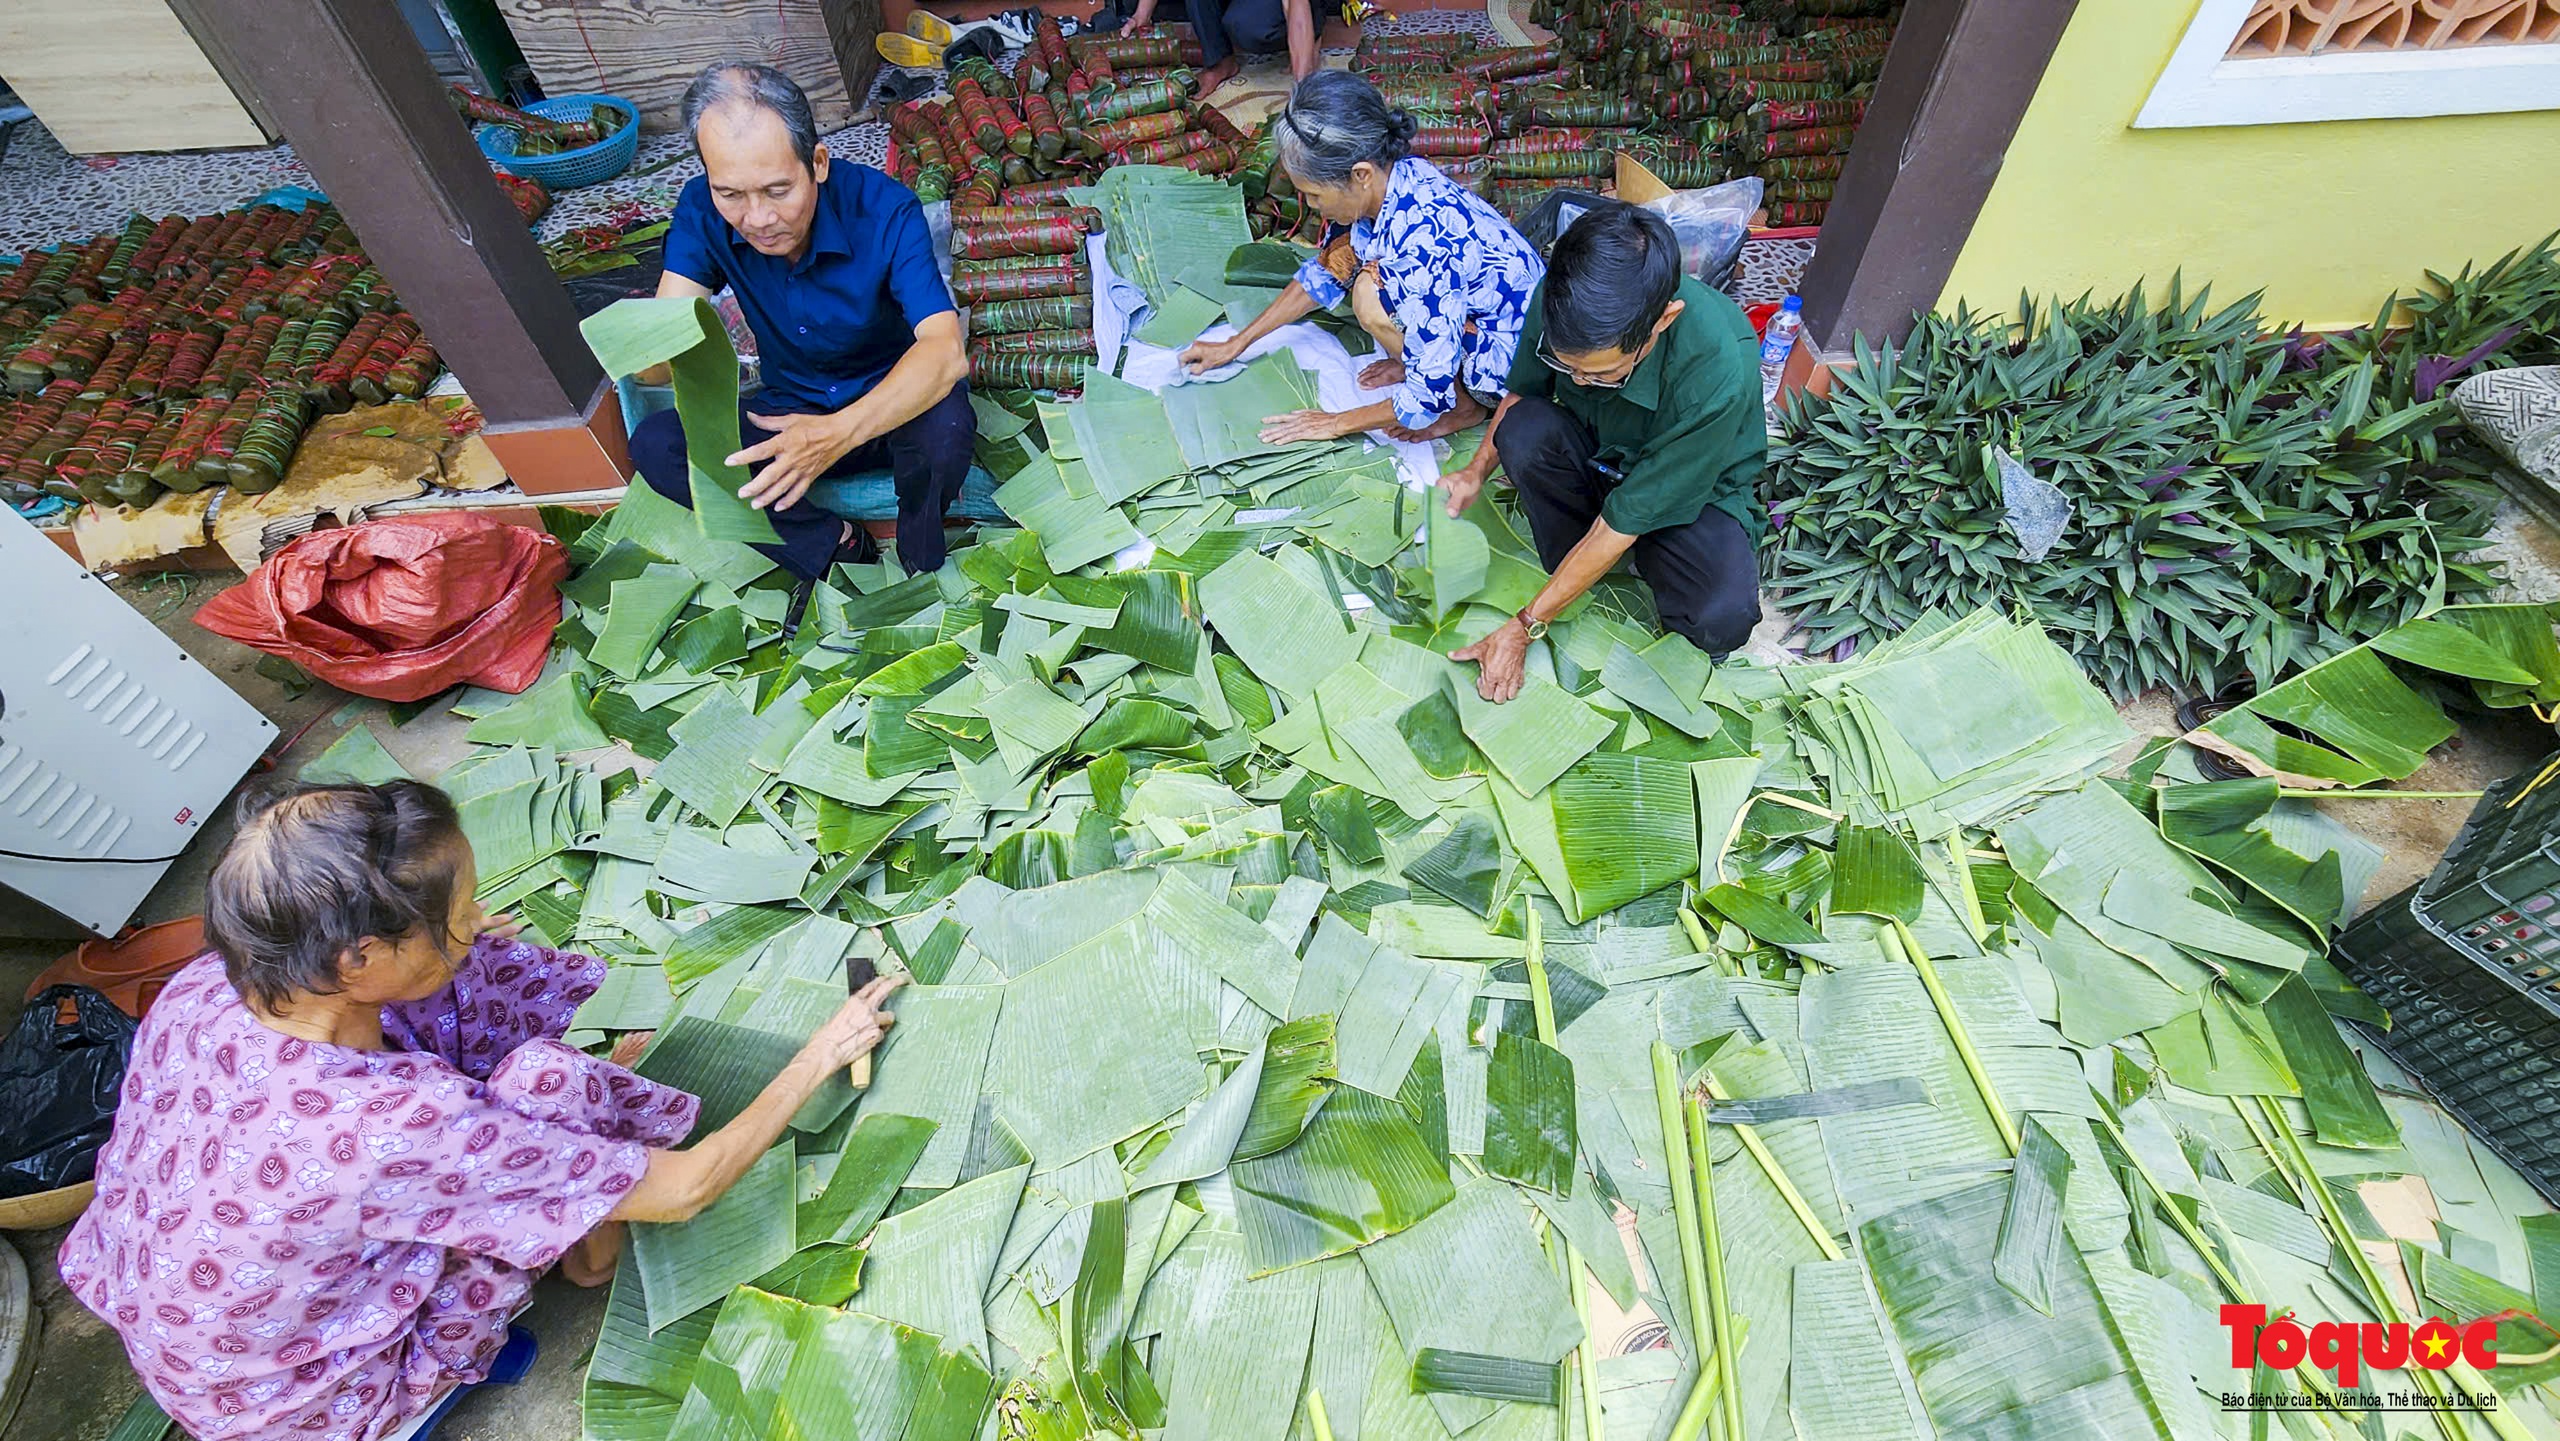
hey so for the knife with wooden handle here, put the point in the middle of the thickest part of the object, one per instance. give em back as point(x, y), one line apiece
point(859, 972)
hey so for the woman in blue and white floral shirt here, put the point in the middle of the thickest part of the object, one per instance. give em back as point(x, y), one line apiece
point(1435, 275)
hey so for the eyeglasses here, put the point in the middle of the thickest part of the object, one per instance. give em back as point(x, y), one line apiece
point(1581, 377)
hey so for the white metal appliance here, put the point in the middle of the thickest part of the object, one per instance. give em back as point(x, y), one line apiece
point(115, 744)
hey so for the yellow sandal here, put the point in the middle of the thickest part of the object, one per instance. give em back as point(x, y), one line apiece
point(909, 53)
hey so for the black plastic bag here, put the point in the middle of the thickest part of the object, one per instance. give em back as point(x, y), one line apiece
point(58, 1085)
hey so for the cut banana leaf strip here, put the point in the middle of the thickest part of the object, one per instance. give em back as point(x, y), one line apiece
point(822, 1275)
point(1584, 1217)
point(1626, 826)
point(1764, 917)
point(1491, 1378)
point(744, 1234)
point(1465, 866)
point(2032, 1246)
point(1360, 1171)
point(1873, 872)
point(1296, 1074)
point(726, 937)
point(687, 335)
point(2344, 1109)
point(876, 1160)
point(1839, 1101)
point(1133, 1010)
point(1529, 1134)
point(641, 610)
point(2144, 903)
point(553, 713)
point(629, 1353)
point(1277, 624)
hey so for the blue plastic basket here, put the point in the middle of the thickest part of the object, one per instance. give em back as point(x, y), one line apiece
point(586, 165)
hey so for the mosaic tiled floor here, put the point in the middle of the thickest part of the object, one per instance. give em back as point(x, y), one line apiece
point(48, 196)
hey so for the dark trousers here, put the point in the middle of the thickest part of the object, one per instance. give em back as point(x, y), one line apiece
point(928, 456)
point(1256, 27)
point(1705, 575)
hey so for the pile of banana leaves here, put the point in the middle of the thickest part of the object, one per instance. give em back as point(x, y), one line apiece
point(1300, 1047)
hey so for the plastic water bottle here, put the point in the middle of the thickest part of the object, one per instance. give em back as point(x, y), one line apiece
point(1777, 343)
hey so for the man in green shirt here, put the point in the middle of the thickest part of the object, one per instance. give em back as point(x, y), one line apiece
point(1633, 423)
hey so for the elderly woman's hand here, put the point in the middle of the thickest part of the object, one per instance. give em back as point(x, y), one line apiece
point(853, 1031)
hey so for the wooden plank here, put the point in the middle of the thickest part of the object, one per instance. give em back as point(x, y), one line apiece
point(648, 52)
point(150, 88)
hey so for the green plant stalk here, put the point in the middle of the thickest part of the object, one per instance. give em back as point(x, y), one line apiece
point(1542, 1006)
point(1719, 1304)
point(2500, 1420)
point(1898, 938)
point(1684, 1197)
point(1750, 1138)
point(2194, 1235)
point(1317, 1421)
point(1700, 1402)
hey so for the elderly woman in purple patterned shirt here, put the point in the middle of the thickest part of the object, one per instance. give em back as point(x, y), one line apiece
point(350, 1138)
point(1435, 275)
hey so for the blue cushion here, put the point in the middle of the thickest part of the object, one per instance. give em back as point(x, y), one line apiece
point(864, 495)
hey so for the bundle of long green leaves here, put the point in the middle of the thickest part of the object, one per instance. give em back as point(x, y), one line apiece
point(2244, 502)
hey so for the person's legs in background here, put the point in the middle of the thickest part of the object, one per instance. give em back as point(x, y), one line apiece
point(809, 535)
point(929, 456)
point(1218, 58)
point(1548, 455)
point(1706, 580)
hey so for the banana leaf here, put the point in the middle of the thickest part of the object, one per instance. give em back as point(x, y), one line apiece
point(1132, 1008)
point(357, 757)
point(877, 1159)
point(712, 768)
point(930, 1068)
point(1466, 865)
point(641, 609)
point(1983, 1357)
point(552, 713)
point(1470, 1278)
point(776, 1367)
point(1491, 1378)
point(1297, 1064)
point(1533, 737)
point(1529, 1135)
point(1848, 1381)
point(929, 1267)
point(1359, 1171)
point(822, 1275)
point(1276, 623)
point(1238, 1358)
point(739, 1237)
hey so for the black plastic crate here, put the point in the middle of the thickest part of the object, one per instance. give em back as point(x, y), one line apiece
point(2505, 861)
point(2475, 1013)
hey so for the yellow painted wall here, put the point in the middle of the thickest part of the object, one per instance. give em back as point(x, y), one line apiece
point(2329, 219)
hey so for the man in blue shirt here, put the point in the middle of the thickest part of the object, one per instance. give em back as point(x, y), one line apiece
point(863, 357)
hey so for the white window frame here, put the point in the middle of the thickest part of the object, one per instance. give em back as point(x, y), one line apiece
point(2202, 85)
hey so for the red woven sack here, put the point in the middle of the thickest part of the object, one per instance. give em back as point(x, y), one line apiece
point(399, 609)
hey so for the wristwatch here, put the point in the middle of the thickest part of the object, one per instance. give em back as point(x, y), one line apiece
point(1536, 628)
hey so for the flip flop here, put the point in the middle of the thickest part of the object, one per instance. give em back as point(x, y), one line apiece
point(930, 28)
point(907, 52)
